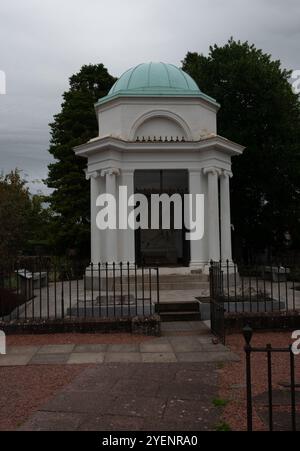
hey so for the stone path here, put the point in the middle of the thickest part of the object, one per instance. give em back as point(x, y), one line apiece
point(130, 397)
point(181, 342)
point(165, 384)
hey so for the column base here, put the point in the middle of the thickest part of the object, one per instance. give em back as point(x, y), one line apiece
point(197, 265)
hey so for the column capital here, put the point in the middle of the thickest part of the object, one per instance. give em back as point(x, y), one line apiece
point(227, 174)
point(193, 171)
point(91, 175)
point(127, 171)
point(212, 170)
point(110, 171)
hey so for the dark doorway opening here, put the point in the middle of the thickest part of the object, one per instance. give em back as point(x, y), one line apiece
point(162, 247)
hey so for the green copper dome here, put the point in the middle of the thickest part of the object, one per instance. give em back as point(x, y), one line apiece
point(155, 79)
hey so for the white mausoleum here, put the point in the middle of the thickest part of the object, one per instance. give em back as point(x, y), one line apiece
point(158, 134)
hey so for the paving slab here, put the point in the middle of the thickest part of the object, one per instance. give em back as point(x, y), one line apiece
point(138, 406)
point(186, 345)
point(81, 358)
point(156, 357)
point(156, 347)
point(90, 348)
point(123, 357)
point(123, 348)
point(210, 347)
point(49, 359)
point(113, 423)
point(175, 425)
point(193, 374)
point(91, 402)
point(205, 339)
point(207, 357)
point(176, 326)
point(199, 327)
point(135, 397)
point(183, 342)
point(90, 383)
point(23, 350)
point(15, 360)
point(56, 349)
point(136, 387)
point(186, 391)
point(199, 414)
point(149, 372)
point(53, 421)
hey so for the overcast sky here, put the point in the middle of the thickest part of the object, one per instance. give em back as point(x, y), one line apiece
point(43, 42)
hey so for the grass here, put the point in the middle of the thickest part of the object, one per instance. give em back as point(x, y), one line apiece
point(220, 365)
point(223, 427)
point(219, 402)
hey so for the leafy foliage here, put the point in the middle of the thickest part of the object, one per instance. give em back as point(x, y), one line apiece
point(22, 216)
point(258, 110)
point(74, 125)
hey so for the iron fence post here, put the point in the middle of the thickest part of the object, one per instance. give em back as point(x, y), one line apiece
point(157, 289)
point(62, 299)
point(270, 388)
point(249, 388)
point(248, 333)
point(293, 392)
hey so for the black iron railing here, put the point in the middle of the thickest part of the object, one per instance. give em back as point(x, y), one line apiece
point(269, 351)
point(36, 289)
point(217, 311)
point(254, 289)
point(250, 289)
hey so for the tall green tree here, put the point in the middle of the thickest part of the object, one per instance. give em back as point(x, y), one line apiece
point(260, 111)
point(74, 125)
point(19, 217)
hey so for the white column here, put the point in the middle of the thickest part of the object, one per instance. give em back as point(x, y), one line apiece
point(95, 232)
point(111, 235)
point(213, 213)
point(196, 247)
point(226, 249)
point(127, 237)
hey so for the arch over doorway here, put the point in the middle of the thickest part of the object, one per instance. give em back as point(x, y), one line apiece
point(160, 123)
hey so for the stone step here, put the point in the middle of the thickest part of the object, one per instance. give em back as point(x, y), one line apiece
point(165, 307)
point(174, 286)
point(164, 278)
point(179, 311)
point(183, 279)
point(180, 316)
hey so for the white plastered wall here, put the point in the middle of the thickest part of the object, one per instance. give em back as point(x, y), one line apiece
point(122, 119)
